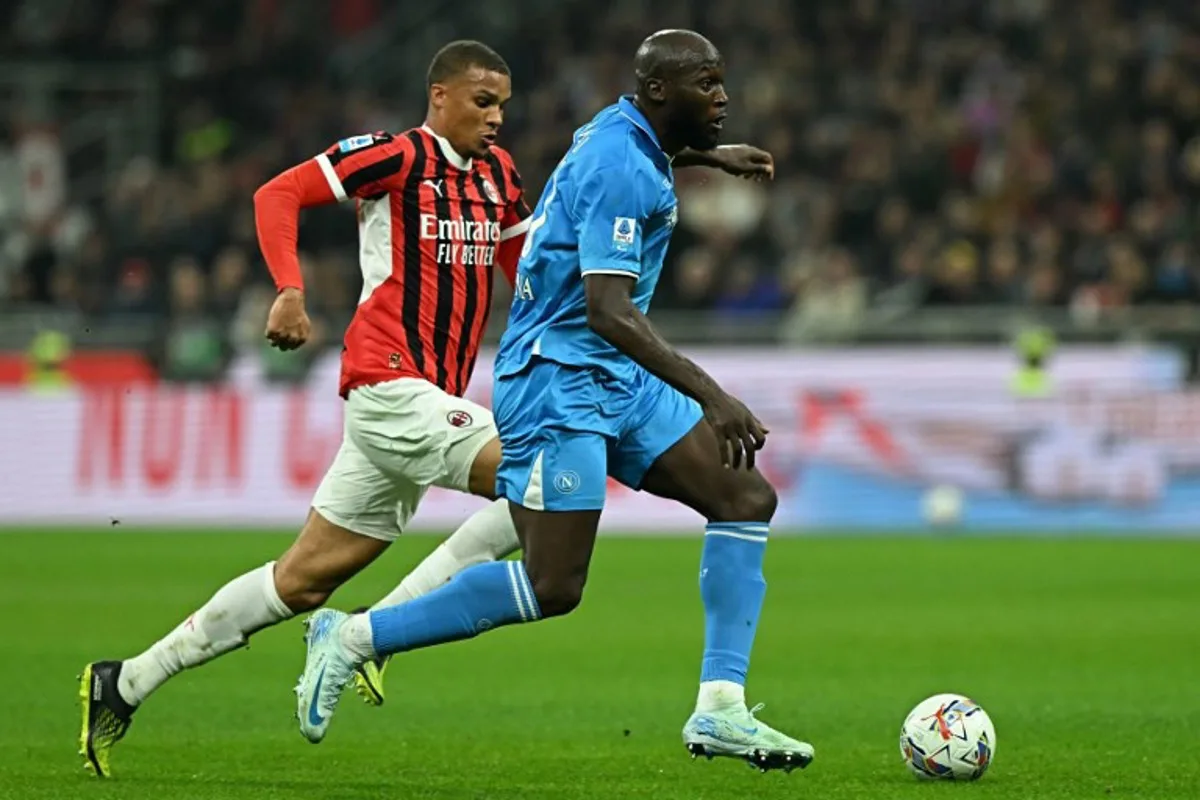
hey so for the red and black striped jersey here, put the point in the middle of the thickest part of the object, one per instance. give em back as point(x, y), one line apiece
point(432, 227)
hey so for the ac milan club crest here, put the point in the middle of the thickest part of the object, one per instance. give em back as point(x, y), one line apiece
point(490, 191)
point(459, 419)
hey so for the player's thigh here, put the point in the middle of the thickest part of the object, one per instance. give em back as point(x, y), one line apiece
point(481, 480)
point(324, 556)
point(416, 433)
point(674, 453)
point(557, 551)
point(555, 482)
point(554, 430)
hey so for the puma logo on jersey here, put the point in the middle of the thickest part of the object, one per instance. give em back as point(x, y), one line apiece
point(435, 185)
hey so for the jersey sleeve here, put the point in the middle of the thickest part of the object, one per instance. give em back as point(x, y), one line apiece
point(610, 210)
point(366, 166)
point(277, 205)
point(513, 228)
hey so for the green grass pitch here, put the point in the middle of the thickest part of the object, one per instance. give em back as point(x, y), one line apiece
point(1086, 652)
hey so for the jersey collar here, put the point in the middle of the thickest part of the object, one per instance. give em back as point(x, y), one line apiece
point(634, 114)
point(448, 150)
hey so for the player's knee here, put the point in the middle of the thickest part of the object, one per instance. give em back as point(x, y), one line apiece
point(298, 590)
point(754, 500)
point(558, 595)
point(300, 600)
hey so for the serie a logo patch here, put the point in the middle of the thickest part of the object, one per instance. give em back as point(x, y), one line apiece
point(356, 143)
point(624, 230)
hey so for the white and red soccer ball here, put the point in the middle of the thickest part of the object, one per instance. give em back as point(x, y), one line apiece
point(948, 737)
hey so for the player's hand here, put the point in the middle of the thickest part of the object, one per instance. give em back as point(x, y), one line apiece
point(745, 161)
point(740, 434)
point(288, 325)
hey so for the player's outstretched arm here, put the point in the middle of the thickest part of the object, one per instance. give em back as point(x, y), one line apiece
point(361, 167)
point(743, 160)
point(612, 315)
point(277, 205)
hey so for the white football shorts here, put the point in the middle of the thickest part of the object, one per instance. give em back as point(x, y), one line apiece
point(399, 438)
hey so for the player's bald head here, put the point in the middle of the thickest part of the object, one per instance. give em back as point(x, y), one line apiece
point(668, 54)
point(681, 89)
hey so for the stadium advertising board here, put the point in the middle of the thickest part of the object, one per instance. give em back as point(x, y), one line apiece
point(858, 440)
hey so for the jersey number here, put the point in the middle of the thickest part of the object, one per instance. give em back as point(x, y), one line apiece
point(537, 222)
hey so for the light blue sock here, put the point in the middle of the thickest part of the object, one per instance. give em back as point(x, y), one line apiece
point(732, 587)
point(477, 599)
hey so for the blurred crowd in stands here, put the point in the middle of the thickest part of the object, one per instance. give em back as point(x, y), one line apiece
point(929, 152)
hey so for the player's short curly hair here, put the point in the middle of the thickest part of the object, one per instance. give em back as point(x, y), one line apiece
point(458, 57)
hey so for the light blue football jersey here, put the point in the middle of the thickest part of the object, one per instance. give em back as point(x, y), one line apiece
point(609, 208)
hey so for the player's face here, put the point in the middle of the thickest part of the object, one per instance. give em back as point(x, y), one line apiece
point(472, 109)
point(699, 102)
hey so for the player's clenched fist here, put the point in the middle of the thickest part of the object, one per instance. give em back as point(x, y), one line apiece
point(738, 430)
point(288, 326)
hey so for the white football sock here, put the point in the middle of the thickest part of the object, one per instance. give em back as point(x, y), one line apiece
point(358, 638)
point(239, 608)
point(718, 695)
point(487, 535)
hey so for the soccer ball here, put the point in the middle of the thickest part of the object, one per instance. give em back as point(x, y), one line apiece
point(948, 737)
point(942, 506)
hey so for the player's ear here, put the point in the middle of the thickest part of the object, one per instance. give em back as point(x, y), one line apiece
point(655, 90)
point(437, 95)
